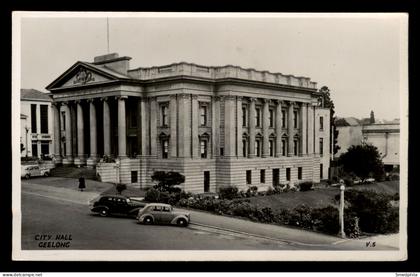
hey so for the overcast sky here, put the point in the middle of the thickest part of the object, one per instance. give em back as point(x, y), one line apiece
point(359, 59)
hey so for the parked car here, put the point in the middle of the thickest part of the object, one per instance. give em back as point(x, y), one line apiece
point(116, 204)
point(369, 181)
point(33, 171)
point(158, 213)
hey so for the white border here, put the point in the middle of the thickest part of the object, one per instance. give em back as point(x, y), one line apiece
point(203, 255)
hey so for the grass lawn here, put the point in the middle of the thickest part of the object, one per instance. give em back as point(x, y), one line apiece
point(317, 198)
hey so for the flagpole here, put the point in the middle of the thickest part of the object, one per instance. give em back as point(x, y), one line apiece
point(107, 33)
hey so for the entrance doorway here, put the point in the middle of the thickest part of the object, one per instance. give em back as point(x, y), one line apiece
point(276, 176)
point(206, 181)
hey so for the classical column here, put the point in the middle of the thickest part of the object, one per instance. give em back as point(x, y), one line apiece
point(184, 126)
point(73, 113)
point(173, 126)
point(93, 135)
point(38, 128)
point(144, 127)
point(80, 159)
point(153, 126)
point(194, 126)
point(216, 125)
point(252, 123)
point(69, 158)
point(290, 128)
point(230, 126)
point(266, 123)
point(239, 124)
point(57, 137)
point(107, 126)
point(122, 135)
point(304, 126)
point(278, 128)
point(310, 130)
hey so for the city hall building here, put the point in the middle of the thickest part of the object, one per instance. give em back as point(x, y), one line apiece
point(215, 125)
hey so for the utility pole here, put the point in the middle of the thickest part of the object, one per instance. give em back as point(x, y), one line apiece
point(341, 212)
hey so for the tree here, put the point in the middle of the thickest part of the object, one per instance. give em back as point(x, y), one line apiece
point(362, 160)
point(328, 103)
point(167, 181)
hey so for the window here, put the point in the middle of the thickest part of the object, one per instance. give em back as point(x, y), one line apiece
point(244, 117)
point(271, 117)
point(33, 118)
point(133, 176)
point(248, 177)
point(262, 176)
point(244, 147)
point(321, 123)
point(44, 119)
point(132, 112)
point(166, 209)
point(35, 150)
point(283, 118)
point(203, 115)
point(288, 174)
point(63, 123)
point(222, 151)
point(258, 148)
point(45, 148)
point(299, 173)
point(164, 114)
point(283, 147)
point(295, 147)
point(165, 146)
point(321, 146)
point(321, 175)
point(203, 148)
point(271, 147)
point(257, 117)
point(295, 119)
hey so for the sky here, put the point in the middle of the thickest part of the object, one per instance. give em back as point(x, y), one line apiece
point(359, 58)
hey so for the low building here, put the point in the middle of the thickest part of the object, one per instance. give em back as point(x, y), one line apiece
point(36, 123)
point(216, 125)
point(349, 133)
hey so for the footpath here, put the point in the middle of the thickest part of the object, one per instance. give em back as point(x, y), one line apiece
point(66, 189)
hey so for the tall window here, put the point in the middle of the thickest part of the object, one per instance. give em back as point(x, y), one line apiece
point(295, 119)
point(271, 117)
point(244, 147)
point(203, 115)
point(44, 119)
point(321, 146)
point(257, 117)
point(165, 146)
point(321, 123)
point(262, 176)
point(283, 118)
point(244, 117)
point(258, 148)
point(283, 147)
point(288, 174)
point(299, 173)
point(33, 118)
point(203, 148)
point(321, 175)
point(164, 114)
point(222, 151)
point(271, 147)
point(295, 147)
point(248, 177)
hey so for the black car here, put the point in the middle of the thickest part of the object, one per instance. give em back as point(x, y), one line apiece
point(116, 204)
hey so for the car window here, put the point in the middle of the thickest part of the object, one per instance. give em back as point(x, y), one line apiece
point(157, 208)
point(166, 209)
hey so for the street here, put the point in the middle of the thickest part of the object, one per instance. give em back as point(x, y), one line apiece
point(59, 218)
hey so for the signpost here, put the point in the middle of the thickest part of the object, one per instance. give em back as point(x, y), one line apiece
point(341, 212)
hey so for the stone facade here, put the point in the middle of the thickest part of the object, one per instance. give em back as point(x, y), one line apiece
point(216, 125)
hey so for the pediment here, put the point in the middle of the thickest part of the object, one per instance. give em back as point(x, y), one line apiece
point(81, 74)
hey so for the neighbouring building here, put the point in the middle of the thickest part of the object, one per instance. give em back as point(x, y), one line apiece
point(349, 133)
point(216, 125)
point(35, 123)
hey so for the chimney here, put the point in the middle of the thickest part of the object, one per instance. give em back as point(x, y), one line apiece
point(114, 62)
point(372, 118)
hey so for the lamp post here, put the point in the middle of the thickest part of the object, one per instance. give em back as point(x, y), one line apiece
point(341, 212)
point(26, 140)
point(117, 166)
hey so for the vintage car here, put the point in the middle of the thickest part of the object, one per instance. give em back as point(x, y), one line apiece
point(33, 171)
point(158, 213)
point(116, 204)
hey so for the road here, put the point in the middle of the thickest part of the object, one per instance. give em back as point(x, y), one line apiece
point(51, 211)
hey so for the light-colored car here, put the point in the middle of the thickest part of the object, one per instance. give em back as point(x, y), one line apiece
point(159, 213)
point(33, 171)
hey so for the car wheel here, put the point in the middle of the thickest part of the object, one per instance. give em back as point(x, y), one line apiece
point(182, 222)
point(148, 220)
point(103, 212)
point(27, 176)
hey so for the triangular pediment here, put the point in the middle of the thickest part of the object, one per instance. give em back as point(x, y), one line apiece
point(81, 74)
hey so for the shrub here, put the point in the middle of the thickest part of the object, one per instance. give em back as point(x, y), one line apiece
point(120, 188)
point(228, 192)
point(306, 186)
point(107, 159)
point(326, 220)
point(152, 195)
point(270, 191)
point(252, 191)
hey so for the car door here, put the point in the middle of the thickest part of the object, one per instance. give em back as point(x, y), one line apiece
point(166, 214)
point(157, 213)
point(35, 171)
